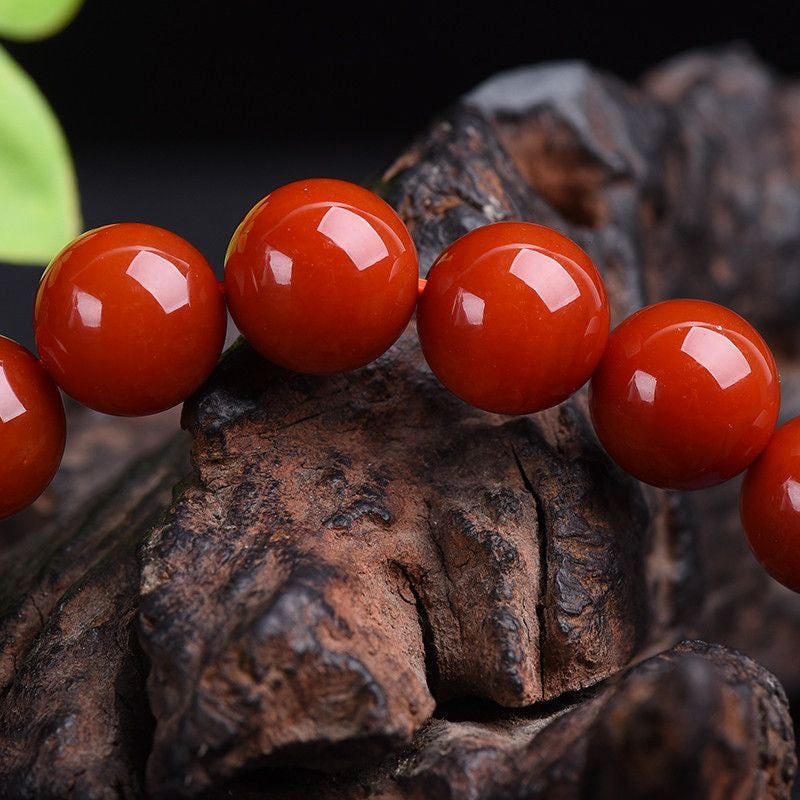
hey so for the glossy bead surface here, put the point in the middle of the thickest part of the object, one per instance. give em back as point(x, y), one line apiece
point(321, 276)
point(514, 317)
point(32, 428)
point(129, 319)
point(686, 395)
point(770, 505)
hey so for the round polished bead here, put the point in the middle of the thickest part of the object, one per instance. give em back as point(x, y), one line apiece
point(686, 395)
point(32, 428)
point(129, 319)
point(770, 505)
point(321, 276)
point(514, 317)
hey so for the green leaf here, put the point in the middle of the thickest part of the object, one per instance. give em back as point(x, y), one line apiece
point(35, 19)
point(39, 211)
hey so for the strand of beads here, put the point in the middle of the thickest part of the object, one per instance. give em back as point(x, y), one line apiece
point(321, 276)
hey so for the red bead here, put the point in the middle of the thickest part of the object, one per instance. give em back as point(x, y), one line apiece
point(32, 428)
point(770, 505)
point(321, 276)
point(686, 395)
point(129, 319)
point(514, 317)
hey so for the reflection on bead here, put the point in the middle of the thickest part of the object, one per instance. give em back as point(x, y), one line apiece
point(321, 276)
point(32, 428)
point(770, 505)
point(514, 317)
point(686, 395)
point(129, 319)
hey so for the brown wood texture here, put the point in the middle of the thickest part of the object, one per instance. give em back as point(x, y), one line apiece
point(366, 588)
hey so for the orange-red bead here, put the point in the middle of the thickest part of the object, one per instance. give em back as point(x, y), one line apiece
point(129, 319)
point(321, 276)
point(514, 317)
point(32, 428)
point(686, 395)
point(770, 505)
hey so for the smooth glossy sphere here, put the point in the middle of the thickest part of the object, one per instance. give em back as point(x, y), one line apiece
point(32, 428)
point(321, 276)
point(770, 505)
point(686, 395)
point(129, 319)
point(514, 317)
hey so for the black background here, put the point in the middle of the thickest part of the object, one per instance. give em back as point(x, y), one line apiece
point(183, 113)
point(213, 70)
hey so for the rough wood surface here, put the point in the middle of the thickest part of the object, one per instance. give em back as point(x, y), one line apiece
point(365, 578)
point(355, 548)
point(74, 721)
point(695, 721)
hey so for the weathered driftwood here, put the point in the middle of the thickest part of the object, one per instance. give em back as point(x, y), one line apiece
point(74, 721)
point(385, 547)
point(652, 733)
point(365, 577)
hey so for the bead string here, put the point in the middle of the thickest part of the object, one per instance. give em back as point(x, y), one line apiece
point(321, 276)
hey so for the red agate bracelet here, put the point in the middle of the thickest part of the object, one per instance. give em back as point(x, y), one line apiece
point(321, 276)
